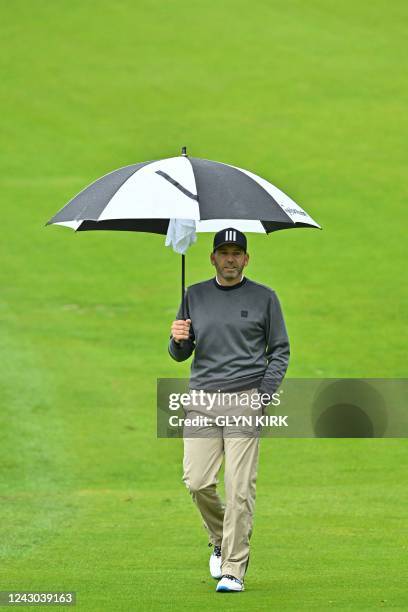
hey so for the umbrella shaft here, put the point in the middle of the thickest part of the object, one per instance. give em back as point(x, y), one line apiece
point(183, 285)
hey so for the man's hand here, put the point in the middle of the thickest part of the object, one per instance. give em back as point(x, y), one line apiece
point(180, 330)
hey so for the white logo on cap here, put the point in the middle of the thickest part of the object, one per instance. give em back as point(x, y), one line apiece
point(230, 235)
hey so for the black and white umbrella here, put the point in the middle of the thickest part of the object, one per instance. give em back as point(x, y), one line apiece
point(179, 196)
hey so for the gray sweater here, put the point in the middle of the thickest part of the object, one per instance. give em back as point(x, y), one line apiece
point(238, 337)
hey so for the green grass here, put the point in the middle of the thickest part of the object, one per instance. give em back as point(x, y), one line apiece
point(313, 97)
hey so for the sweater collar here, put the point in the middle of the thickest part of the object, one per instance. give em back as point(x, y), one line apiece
point(230, 288)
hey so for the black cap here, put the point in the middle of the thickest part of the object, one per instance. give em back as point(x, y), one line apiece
point(230, 236)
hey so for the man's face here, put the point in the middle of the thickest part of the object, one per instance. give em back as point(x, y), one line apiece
point(229, 261)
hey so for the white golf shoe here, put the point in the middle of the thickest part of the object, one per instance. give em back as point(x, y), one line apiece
point(230, 584)
point(215, 563)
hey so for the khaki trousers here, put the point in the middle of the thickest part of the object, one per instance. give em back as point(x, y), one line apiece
point(228, 524)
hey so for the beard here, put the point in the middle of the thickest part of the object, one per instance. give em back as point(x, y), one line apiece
point(230, 274)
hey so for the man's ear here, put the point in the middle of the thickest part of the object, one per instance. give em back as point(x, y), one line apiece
point(246, 259)
point(212, 259)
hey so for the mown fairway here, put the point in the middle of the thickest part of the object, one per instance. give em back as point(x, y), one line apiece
point(312, 96)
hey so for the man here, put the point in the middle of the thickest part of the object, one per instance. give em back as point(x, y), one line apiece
point(237, 332)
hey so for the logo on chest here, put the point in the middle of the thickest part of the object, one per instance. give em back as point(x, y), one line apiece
point(244, 314)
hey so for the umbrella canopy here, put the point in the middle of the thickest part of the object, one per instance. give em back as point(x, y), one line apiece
point(144, 197)
point(180, 196)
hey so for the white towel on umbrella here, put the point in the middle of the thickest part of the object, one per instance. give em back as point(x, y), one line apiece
point(181, 234)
